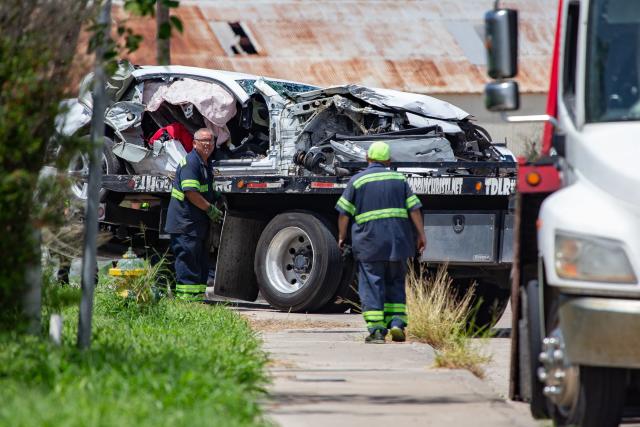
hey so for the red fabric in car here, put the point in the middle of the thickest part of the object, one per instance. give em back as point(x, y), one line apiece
point(177, 131)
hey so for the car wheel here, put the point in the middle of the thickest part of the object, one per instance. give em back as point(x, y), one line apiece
point(586, 396)
point(297, 262)
point(79, 171)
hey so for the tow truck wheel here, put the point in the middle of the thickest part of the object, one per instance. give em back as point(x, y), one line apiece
point(346, 296)
point(529, 347)
point(586, 396)
point(489, 301)
point(79, 171)
point(297, 263)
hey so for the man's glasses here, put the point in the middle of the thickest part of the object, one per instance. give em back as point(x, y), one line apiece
point(207, 141)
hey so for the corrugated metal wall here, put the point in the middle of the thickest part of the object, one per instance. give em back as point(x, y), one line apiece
point(423, 46)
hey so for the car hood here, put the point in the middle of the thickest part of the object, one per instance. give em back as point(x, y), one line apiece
point(421, 105)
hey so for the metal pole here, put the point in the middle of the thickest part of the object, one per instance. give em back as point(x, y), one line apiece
point(89, 265)
point(163, 51)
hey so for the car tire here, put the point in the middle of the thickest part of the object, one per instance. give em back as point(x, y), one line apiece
point(297, 263)
point(111, 165)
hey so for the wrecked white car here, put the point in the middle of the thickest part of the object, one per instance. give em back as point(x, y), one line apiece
point(269, 126)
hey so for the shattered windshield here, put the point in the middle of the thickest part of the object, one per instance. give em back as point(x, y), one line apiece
point(283, 88)
point(613, 61)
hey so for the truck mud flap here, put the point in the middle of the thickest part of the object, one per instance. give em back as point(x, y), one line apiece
point(235, 277)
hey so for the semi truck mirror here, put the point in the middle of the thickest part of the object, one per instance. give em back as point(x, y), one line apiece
point(502, 96)
point(501, 42)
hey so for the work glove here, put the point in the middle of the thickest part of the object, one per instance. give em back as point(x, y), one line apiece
point(214, 213)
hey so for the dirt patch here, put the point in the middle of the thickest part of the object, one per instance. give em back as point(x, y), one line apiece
point(274, 325)
point(281, 364)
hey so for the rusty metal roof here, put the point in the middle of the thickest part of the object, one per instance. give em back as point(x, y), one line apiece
point(425, 46)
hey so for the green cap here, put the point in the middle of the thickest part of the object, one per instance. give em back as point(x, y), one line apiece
point(379, 151)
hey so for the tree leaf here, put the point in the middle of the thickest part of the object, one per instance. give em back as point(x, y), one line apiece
point(171, 3)
point(132, 42)
point(176, 22)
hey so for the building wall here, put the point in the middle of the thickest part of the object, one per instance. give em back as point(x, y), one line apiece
point(517, 135)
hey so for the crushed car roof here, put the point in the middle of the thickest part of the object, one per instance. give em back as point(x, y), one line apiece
point(419, 104)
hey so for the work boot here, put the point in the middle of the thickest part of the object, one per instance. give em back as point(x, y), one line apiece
point(375, 337)
point(397, 334)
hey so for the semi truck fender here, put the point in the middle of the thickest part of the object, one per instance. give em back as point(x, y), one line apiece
point(583, 209)
point(235, 276)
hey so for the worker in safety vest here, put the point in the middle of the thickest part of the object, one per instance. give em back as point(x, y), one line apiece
point(383, 208)
point(190, 211)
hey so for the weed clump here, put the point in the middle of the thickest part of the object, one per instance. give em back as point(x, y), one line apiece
point(439, 317)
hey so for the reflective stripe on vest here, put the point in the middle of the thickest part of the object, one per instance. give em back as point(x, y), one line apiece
point(177, 194)
point(190, 183)
point(412, 201)
point(347, 205)
point(378, 176)
point(381, 214)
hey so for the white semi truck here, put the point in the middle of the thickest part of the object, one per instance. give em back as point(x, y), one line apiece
point(576, 289)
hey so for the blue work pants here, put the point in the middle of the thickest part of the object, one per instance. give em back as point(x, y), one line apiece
point(382, 294)
point(192, 266)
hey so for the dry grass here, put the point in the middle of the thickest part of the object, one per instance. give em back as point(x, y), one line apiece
point(66, 242)
point(461, 354)
point(435, 313)
point(438, 317)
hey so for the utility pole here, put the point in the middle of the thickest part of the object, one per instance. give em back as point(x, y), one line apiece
point(163, 52)
point(89, 264)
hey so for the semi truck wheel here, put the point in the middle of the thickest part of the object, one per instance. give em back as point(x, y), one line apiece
point(529, 347)
point(297, 263)
point(111, 165)
point(585, 396)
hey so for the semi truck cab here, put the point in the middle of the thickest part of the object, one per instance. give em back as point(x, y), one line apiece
point(577, 316)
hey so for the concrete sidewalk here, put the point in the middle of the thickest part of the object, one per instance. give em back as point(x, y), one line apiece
point(324, 375)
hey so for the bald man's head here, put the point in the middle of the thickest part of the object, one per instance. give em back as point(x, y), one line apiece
point(203, 143)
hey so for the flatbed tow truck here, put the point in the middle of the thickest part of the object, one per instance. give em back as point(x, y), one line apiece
point(295, 146)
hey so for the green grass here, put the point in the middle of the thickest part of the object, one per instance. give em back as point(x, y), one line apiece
point(169, 364)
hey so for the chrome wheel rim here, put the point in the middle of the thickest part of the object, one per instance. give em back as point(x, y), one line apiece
point(289, 260)
point(560, 378)
point(78, 171)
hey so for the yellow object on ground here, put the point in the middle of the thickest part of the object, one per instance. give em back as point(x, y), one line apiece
point(126, 269)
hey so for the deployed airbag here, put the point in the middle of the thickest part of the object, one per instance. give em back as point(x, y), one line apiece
point(215, 103)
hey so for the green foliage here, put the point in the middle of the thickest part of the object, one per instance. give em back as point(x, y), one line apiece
point(56, 296)
point(35, 60)
point(37, 45)
point(129, 40)
point(175, 364)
